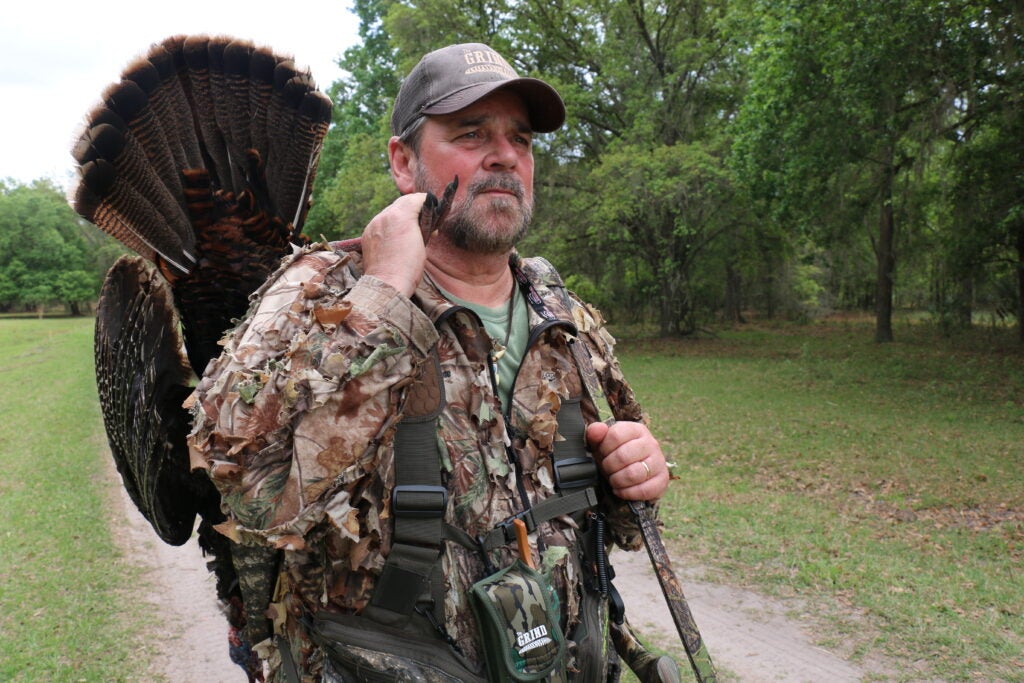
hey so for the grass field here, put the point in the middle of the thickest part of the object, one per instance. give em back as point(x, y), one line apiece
point(63, 604)
point(883, 484)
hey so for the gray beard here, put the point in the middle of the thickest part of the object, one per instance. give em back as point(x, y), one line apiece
point(477, 230)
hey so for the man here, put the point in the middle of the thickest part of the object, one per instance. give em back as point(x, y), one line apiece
point(385, 416)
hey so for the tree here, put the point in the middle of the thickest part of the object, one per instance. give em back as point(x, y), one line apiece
point(47, 253)
point(989, 193)
point(844, 91)
point(352, 178)
point(650, 86)
point(662, 206)
point(985, 245)
point(360, 188)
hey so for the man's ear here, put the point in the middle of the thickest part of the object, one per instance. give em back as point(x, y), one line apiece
point(402, 160)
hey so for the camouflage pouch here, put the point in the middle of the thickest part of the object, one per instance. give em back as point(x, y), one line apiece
point(362, 651)
point(591, 639)
point(518, 620)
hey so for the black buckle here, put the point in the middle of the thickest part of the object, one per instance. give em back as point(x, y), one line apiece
point(576, 479)
point(419, 502)
point(508, 530)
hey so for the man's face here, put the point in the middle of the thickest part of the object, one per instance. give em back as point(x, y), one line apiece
point(488, 145)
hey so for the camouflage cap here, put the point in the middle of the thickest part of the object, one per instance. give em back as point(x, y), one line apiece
point(454, 77)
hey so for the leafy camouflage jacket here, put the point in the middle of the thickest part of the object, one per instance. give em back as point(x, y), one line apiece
point(294, 423)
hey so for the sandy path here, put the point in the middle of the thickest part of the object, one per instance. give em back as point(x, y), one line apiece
point(751, 638)
point(190, 644)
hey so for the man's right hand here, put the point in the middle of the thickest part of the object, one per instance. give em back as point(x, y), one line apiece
point(393, 248)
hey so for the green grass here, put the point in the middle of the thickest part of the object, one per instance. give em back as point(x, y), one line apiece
point(884, 483)
point(64, 614)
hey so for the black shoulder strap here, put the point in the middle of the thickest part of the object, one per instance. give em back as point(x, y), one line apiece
point(418, 503)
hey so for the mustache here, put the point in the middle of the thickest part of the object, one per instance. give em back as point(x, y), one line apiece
point(507, 183)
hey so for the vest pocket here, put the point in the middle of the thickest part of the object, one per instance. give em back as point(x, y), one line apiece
point(366, 651)
point(518, 620)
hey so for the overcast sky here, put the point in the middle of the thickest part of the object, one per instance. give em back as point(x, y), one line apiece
point(57, 57)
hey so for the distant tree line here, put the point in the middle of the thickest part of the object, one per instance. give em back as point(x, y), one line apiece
point(785, 158)
point(722, 158)
point(48, 255)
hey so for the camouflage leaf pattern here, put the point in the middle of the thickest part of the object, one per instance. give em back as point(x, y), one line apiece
point(294, 423)
point(693, 644)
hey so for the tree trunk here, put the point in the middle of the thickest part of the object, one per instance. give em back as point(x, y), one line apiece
point(886, 262)
point(668, 323)
point(733, 299)
point(1020, 283)
point(767, 281)
point(965, 302)
point(675, 312)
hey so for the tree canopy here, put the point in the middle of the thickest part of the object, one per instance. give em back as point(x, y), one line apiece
point(47, 254)
point(720, 159)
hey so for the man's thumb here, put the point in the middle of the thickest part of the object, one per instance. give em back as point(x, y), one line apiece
point(596, 431)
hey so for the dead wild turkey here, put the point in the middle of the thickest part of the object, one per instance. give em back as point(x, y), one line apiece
point(201, 160)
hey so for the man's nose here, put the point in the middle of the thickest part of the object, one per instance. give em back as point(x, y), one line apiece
point(502, 154)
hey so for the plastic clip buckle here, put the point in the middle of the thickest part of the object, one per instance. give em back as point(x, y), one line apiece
point(575, 481)
point(508, 529)
point(419, 502)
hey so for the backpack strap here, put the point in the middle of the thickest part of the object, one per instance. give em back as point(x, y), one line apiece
point(544, 511)
point(418, 503)
point(600, 600)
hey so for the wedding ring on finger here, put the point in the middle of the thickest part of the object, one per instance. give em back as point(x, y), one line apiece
point(646, 469)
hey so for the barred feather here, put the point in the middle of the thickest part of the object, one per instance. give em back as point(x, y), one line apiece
point(142, 380)
point(133, 187)
point(261, 86)
point(195, 51)
point(200, 159)
point(297, 123)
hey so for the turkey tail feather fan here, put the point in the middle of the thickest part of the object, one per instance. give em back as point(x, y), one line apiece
point(200, 159)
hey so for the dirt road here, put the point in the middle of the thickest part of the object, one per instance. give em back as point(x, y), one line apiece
point(189, 644)
point(751, 638)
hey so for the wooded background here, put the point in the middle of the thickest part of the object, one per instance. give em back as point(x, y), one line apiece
point(721, 159)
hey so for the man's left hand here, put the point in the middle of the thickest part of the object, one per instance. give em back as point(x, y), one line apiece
point(630, 458)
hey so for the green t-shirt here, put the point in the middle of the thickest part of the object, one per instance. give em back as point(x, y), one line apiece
point(517, 334)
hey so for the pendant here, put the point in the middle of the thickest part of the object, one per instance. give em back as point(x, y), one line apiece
point(497, 351)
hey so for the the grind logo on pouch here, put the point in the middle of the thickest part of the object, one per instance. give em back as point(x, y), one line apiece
point(534, 638)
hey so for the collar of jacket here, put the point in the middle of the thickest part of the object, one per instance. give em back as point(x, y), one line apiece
point(541, 275)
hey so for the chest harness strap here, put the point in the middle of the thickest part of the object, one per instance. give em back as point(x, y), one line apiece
point(419, 500)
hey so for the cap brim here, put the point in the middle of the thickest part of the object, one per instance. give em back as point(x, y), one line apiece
point(543, 103)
